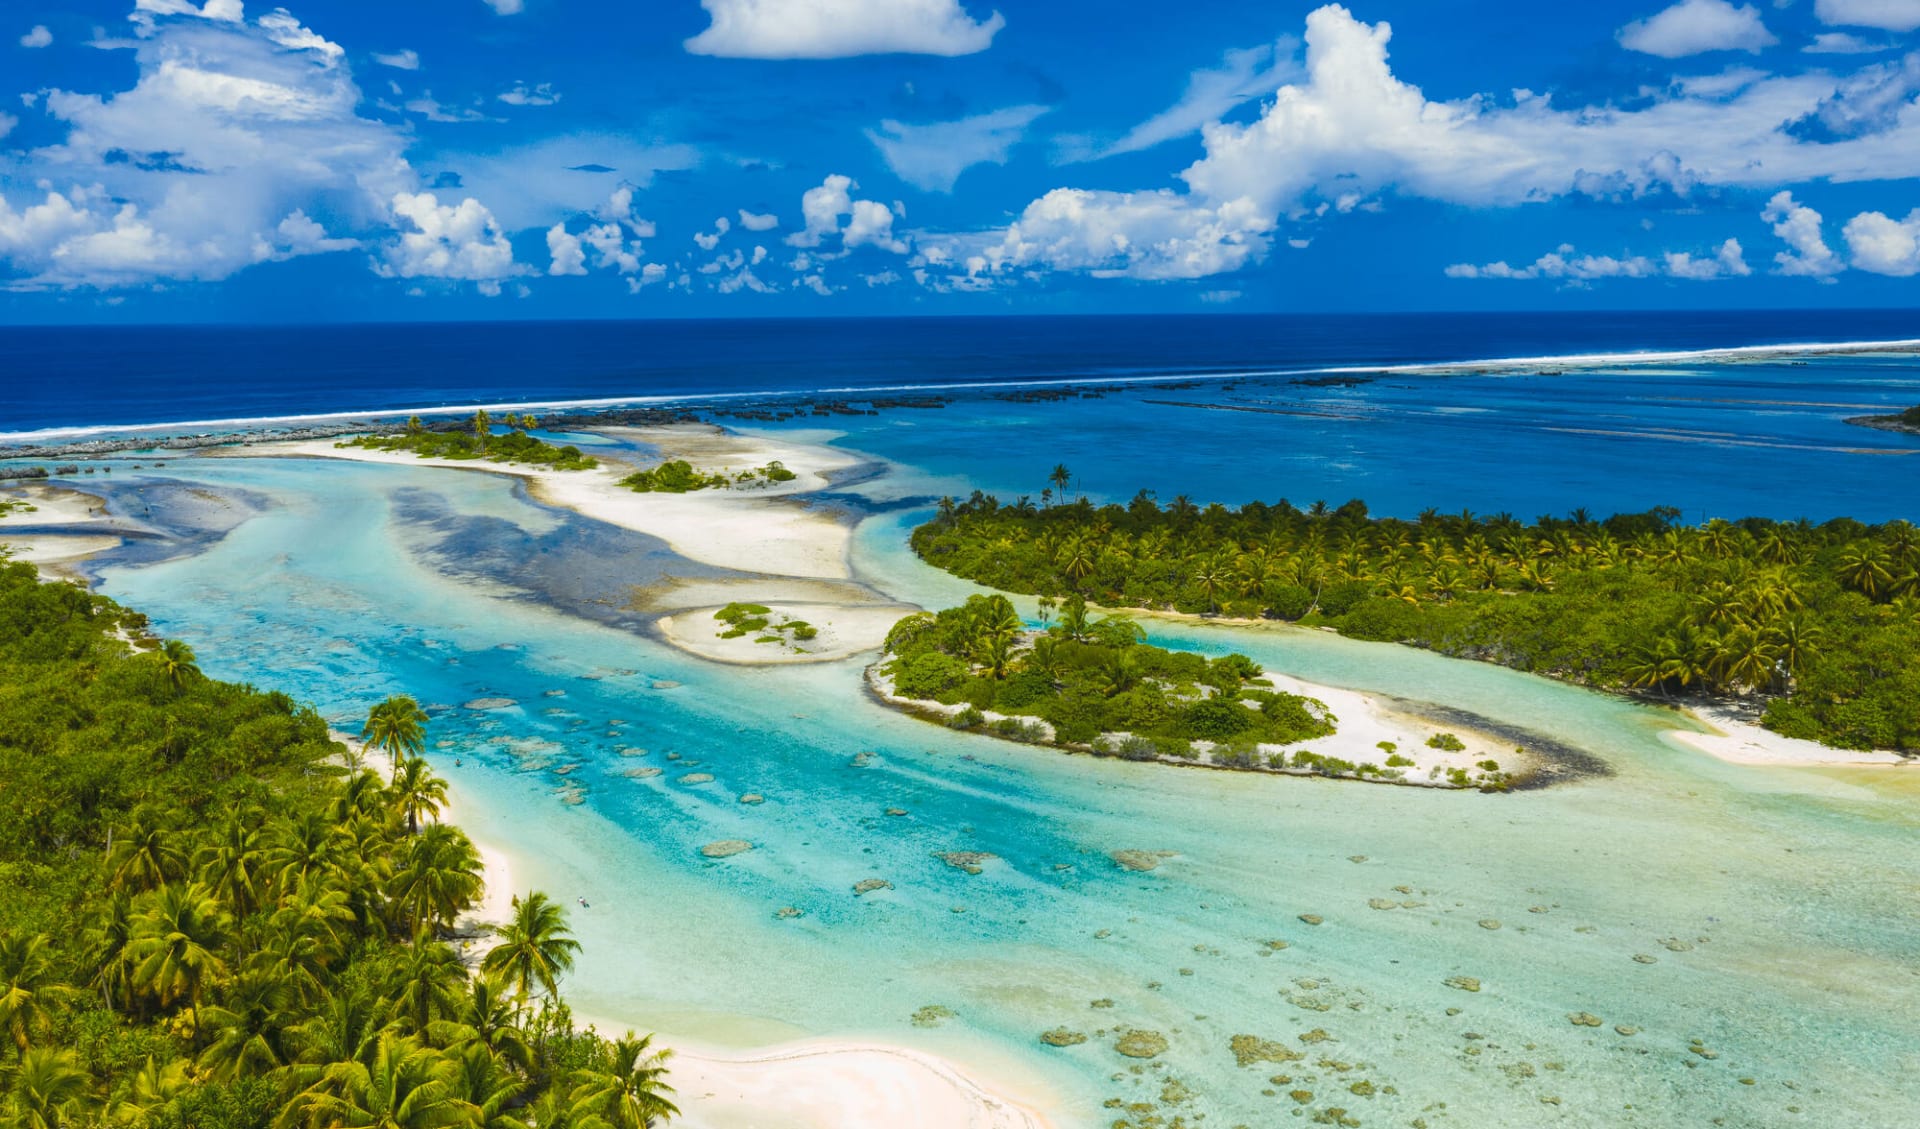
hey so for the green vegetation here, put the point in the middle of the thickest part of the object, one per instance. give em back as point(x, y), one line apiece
point(480, 441)
point(206, 923)
point(1820, 623)
point(1093, 683)
point(677, 476)
point(741, 619)
point(16, 505)
point(1911, 417)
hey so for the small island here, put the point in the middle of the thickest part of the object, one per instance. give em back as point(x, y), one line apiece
point(1907, 421)
point(678, 476)
point(477, 439)
point(1096, 686)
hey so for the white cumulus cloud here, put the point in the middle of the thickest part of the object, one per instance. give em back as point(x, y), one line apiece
point(39, 36)
point(834, 29)
point(408, 60)
point(506, 7)
point(230, 131)
point(460, 242)
point(755, 222)
point(1883, 245)
point(1887, 15)
point(933, 156)
point(1692, 27)
point(869, 222)
point(1798, 226)
point(1145, 235)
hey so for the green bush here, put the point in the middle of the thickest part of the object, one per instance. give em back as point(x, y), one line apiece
point(1446, 742)
point(929, 675)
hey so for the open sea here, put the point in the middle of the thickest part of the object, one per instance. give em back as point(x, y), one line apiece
point(1746, 936)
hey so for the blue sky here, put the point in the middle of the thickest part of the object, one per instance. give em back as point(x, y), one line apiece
point(206, 160)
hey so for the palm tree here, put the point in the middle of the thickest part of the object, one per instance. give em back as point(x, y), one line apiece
point(482, 428)
point(995, 652)
point(1795, 642)
point(249, 1039)
point(174, 946)
point(416, 792)
point(397, 726)
point(309, 847)
point(631, 1093)
point(1213, 574)
point(306, 937)
point(107, 943)
point(1078, 558)
point(1073, 618)
point(407, 1086)
point(148, 855)
point(48, 1086)
point(1061, 478)
point(1866, 568)
point(535, 946)
point(27, 985)
point(155, 1089)
point(486, 1016)
point(438, 877)
point(426, 985)
point(178, 665)
point(231, 864)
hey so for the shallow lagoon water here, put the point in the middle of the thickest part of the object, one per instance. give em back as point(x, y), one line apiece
point(1776, 905)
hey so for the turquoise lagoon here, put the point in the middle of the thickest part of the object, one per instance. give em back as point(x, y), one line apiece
point(1776, 906)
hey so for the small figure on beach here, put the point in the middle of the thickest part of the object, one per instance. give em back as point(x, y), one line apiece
point(583, 903)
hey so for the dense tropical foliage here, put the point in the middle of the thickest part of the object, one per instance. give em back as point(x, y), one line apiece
point(206, 922)
point(479, 440)
point(678, 476)
point(1092, 682)
point(1818, 623)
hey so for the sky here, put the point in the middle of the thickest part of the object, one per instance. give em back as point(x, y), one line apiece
point(214, 160)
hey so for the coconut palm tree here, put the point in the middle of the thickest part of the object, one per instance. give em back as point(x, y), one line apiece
point(249, 1037)
point(407, 1085)
point(48, 1086)
point(486, 1015)
point(631, 1093)
point(27, 986)
point(154, 1091)
point(174, 945)
point(1866, 568)
point(416, 792)
point(106, 942)
point(147, 855)
point(178, 665)
point(438, 877)
point(1061, 478)
point(397, 726)
point(535, 946)
point(426, 984)
point(233, 861)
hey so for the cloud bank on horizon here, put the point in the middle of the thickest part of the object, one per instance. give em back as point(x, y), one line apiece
point(854, 155)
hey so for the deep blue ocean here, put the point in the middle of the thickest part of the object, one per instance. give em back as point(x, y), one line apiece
point(91, 376)
point(1218, 408)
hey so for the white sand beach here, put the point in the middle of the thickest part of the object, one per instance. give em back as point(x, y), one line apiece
point(837, 1085)
point(750, 529)
point(844, 631)
point(65, 518)
point(1739, 739)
